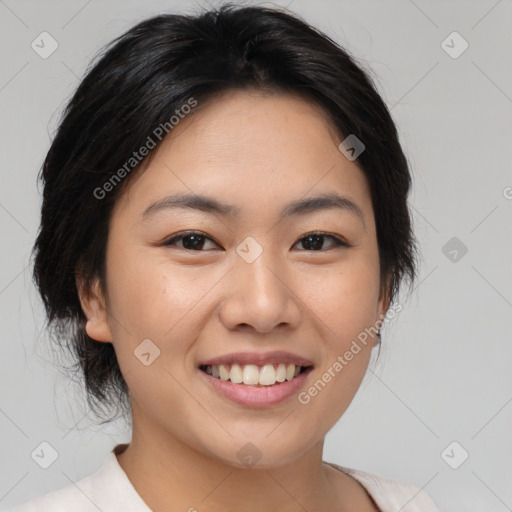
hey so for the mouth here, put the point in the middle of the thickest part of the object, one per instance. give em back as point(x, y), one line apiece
point(266, 375)
point(256, 380)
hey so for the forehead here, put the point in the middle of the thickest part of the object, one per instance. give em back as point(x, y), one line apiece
point(250, 148)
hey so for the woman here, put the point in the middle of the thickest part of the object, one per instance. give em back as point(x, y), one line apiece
point(224, 229)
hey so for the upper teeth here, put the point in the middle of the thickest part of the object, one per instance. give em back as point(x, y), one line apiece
point(250, 374)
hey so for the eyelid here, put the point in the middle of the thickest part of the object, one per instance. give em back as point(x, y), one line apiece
point(339, 241)
point(183, 234)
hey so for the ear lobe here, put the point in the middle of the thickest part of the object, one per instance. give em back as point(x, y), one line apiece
point(384, 306)
point(94, 307)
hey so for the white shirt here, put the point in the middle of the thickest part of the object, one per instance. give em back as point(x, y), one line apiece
point(110, 490)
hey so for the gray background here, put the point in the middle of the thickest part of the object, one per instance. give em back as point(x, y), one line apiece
point(444, 372)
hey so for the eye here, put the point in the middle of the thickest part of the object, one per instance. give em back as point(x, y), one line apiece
point(314, 241)
point(196, 240)
point(191, 240)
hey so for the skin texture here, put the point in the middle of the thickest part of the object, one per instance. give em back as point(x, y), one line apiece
point(258, 152)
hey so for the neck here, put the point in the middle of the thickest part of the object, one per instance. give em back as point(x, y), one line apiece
point(165, 471)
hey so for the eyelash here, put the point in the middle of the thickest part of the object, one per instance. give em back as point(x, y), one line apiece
point(337, 241)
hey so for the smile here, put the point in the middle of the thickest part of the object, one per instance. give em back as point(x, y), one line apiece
point(254, 375)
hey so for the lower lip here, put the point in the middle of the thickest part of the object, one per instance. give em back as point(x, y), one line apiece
point(257, 396)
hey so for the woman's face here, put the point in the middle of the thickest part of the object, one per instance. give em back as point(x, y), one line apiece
point(252, 288)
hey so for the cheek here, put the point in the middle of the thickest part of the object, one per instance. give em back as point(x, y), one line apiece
point(344, 303)
point(149, 293)
point(152, 298)
point(344, 298)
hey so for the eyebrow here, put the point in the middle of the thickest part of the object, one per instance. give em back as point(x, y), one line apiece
point(211, 205)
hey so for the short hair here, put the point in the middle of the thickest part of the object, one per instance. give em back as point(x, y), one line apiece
point(140, 80)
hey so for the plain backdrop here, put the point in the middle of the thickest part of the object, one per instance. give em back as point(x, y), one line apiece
point(441, 390)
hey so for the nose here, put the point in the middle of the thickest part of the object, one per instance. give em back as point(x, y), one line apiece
point(260, 295)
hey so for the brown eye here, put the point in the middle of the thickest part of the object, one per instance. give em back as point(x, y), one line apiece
point(192, 241)
point(315, 241)
point(196, 241)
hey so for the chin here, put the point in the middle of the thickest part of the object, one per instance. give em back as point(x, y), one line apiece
point(258, 452)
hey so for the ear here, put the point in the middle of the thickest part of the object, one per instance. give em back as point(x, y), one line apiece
point(95, 309)
point(384, 303)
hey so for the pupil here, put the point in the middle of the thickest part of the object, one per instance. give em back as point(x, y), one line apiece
point(197, 241)
point(316, 242)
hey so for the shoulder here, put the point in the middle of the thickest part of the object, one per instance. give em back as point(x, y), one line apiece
point(108, 489)
point(73, 496)
point(391, 495)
